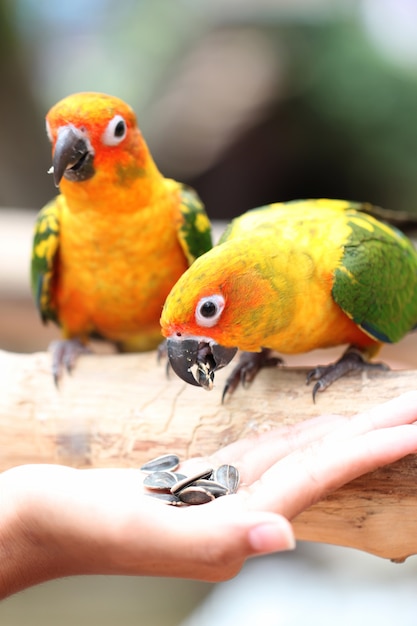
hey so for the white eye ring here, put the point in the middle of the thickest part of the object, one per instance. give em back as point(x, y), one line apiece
point(209, 310)
point(115, 132)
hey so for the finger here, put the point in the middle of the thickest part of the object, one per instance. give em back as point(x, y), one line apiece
point(400, 410)
point(264, 452)
point(304, 477)
point(208, 542)
point(99, 523)
point(257, 459)
point(126, 532)
point(254, 454)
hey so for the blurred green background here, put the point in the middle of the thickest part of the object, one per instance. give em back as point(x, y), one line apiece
point(249, 101)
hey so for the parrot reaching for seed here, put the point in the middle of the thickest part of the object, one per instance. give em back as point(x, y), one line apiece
point(292, 277)
point(108, 249)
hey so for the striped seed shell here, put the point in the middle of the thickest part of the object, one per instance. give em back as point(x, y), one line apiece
point(164, 463)
point(228, 475)
point(195, 495)
point(160, 481)
point(205, 375)
point(217, 489)
point(166, 498)
point(189, 480)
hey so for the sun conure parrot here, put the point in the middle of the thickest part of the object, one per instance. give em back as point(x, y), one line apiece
point(292, 277)
point(108, 249)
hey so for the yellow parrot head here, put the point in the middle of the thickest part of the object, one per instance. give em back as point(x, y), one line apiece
point(94, 133)
point(216, 307)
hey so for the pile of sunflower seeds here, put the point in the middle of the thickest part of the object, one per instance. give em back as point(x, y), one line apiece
point(164, 483)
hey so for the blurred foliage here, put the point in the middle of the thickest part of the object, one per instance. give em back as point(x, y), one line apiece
point(21, 126)
point(341, 123)
point(365, 108)
point(344, 127)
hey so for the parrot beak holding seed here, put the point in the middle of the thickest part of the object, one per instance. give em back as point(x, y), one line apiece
point(183, 354)
point(73, 156)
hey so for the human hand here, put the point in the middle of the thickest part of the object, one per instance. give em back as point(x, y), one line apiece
point(57, 521)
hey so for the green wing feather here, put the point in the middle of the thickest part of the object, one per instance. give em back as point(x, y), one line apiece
point(195, 229)
point(376, 282)
point(44, 253)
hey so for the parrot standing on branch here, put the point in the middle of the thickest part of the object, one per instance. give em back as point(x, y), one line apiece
point(108, 249)
point(292, 277)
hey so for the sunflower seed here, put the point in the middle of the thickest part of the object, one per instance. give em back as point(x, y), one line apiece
point(162, 481)
point(205, 375)
point(195, 495)
point(186, 482)
point(166, 462)
point(217, 489)
point(167, 498)
point(174, 488)
point(228, 475)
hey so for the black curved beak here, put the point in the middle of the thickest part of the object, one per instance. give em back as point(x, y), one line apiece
point(184, 354)
point(72, 156)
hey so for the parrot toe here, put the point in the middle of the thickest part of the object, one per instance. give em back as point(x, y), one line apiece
point(250, 363)
point(64, 355)
point(162, 351)
point(351, 361)
point(162, 355)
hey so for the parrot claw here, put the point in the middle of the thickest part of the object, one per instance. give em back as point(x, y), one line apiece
point(162, 354)
point(351, 361)
point(162, 351)
point(250, 363)
point(64, 355)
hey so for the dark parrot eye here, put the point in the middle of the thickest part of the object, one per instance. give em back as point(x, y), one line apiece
point(209, 310)
point(115, 132)
point(120, 129)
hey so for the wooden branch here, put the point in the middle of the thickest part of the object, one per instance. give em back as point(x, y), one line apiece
point(121, 410)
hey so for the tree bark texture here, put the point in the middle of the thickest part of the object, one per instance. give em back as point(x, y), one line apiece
point(121, 410)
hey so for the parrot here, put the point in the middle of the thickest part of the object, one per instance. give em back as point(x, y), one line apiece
point(109, 247)
point(287, 278)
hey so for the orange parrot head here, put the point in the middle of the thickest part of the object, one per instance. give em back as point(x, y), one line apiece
point(95, 137)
